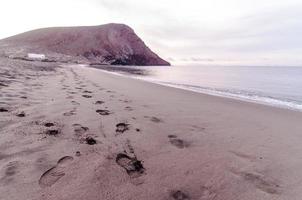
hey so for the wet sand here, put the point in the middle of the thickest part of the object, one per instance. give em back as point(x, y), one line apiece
point(74, 133)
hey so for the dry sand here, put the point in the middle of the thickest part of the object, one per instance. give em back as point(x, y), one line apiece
point(75, 133)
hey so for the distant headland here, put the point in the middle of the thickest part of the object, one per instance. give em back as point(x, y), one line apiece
point(110, 44)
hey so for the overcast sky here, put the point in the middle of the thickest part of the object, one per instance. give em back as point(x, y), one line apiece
point(262, 32)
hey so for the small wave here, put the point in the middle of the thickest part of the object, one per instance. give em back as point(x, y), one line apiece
point(249, 96)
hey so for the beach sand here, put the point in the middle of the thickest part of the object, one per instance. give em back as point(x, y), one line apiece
point(74, 133)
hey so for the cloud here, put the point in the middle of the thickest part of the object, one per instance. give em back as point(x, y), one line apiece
point(195, 30)
point(265, 33)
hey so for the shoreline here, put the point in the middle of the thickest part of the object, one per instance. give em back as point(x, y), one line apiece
point(82, 133)
point(209, 92)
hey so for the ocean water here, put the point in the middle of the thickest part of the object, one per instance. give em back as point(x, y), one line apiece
point(275, 86)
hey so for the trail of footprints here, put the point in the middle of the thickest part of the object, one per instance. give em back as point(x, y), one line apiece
point(17, 96)
point(128, 161)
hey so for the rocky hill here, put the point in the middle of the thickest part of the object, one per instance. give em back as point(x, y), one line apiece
point(115, 44)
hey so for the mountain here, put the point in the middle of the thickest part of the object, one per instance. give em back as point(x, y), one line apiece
point(115, 44)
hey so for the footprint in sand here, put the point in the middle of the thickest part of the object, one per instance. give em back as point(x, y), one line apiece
point(121, 128)
point(179, 143)
point(70, 113)
point(75, 103)
point(21, 114)
point(87, 96)
point(11, 169)
point(260, 182)
point(99, 102)
point(90, 140)
point(69, 97)
point(128, 108)
point(3, 110)
point(87, 91)
point(133, 167)
point(53, 132)
point(103, 112)
point(79, 129)
point(49, 124)
point(154, 119)
point(52, 175)
point(179, 195)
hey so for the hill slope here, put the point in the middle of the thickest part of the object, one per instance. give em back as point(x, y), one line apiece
point(115, 44)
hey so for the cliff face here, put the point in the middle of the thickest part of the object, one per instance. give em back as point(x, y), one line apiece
point(115, 44)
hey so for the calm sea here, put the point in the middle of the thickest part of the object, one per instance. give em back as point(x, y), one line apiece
point(276, 86)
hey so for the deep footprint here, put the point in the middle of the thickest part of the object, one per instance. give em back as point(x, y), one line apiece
point(133, 167)
point(90, 141)
point(52, 132)
point(121, 127)
point(86, 96)
point(99, 102)
point(49, 124)
point(179, 195)
point(21, 114)
point(3, 110)
point(103, 112)
point(87, 91)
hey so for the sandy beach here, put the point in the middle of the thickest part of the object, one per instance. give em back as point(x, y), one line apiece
point(71, 133)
